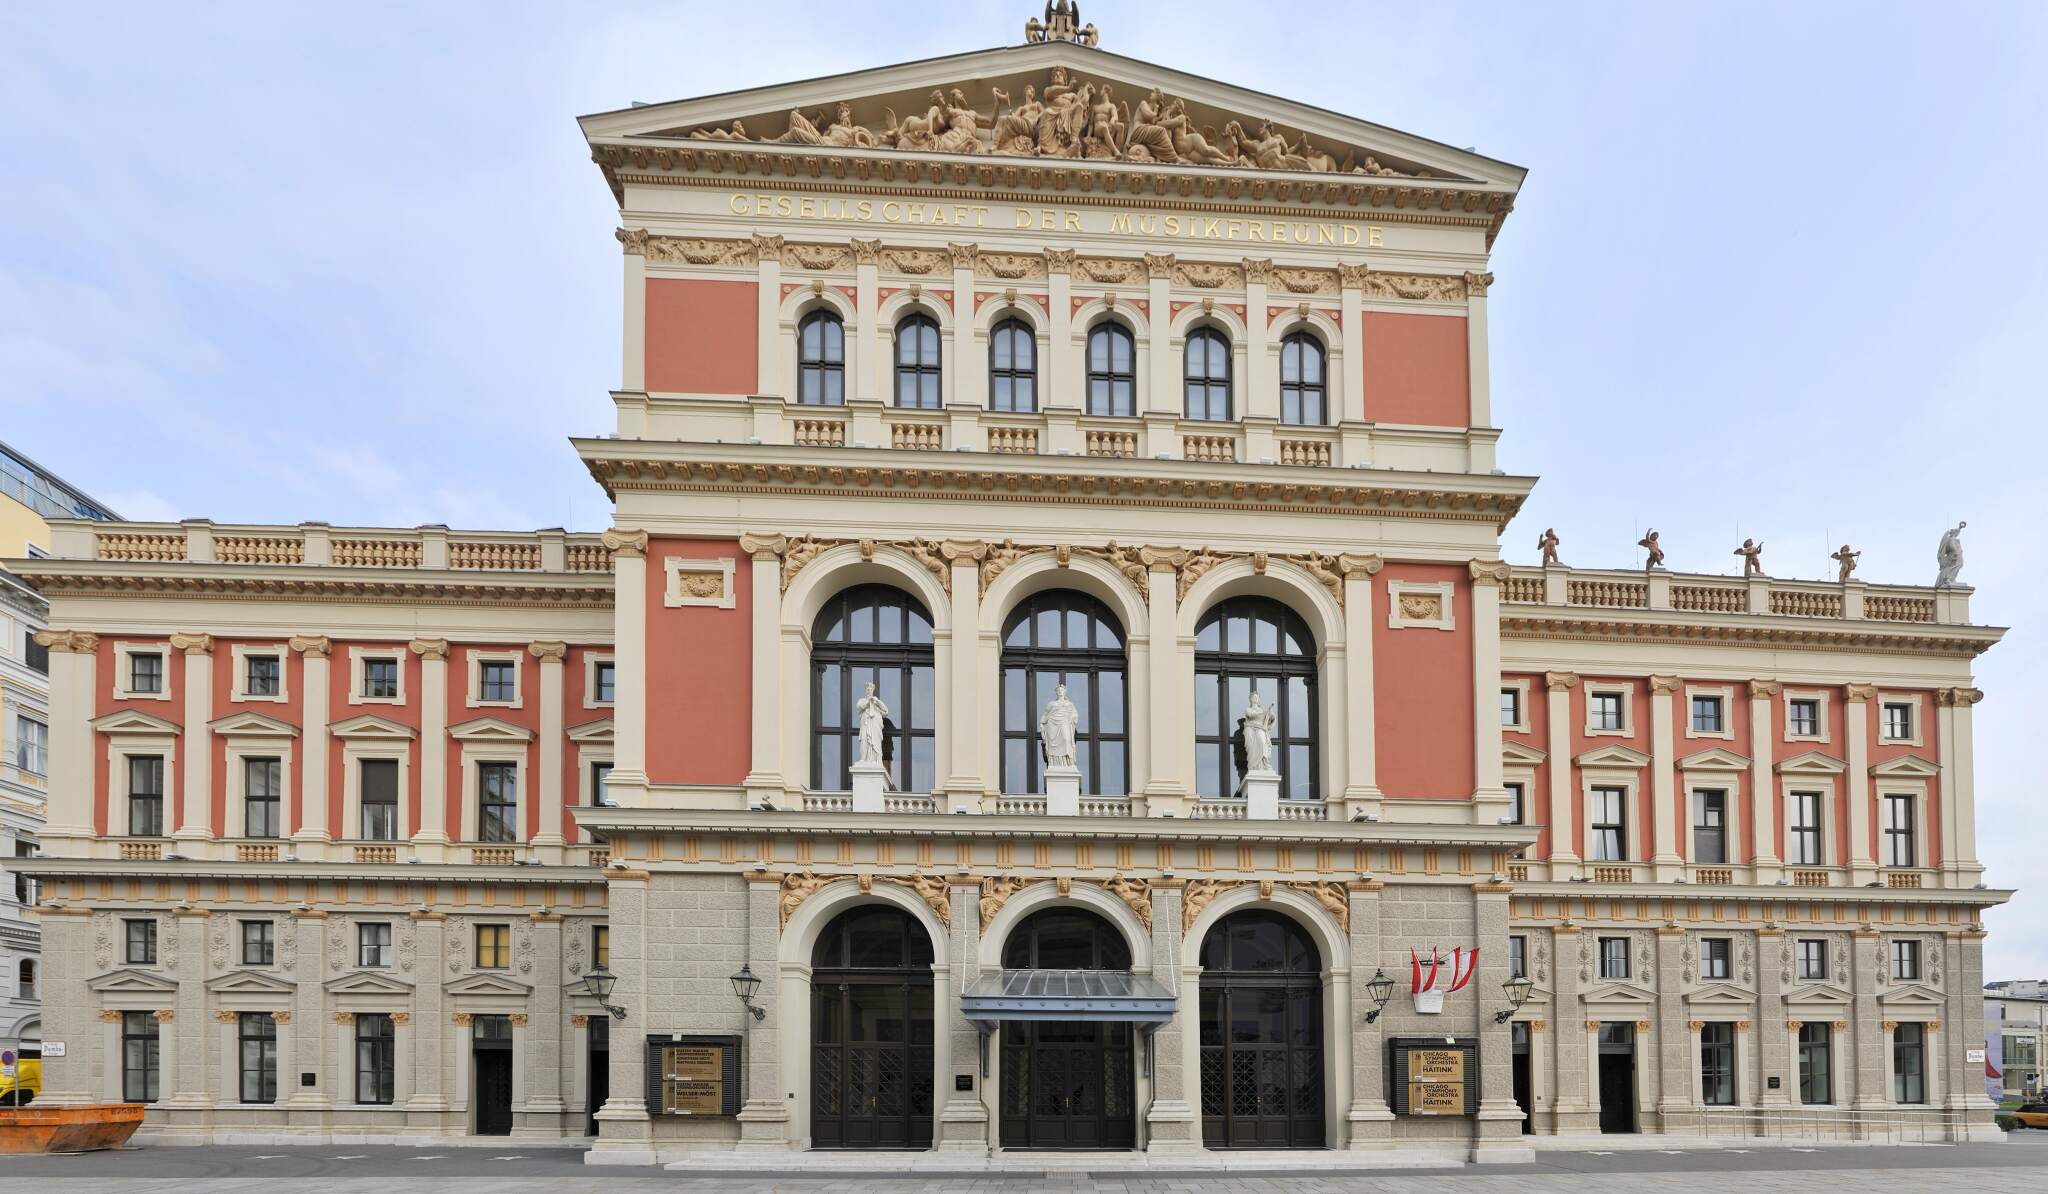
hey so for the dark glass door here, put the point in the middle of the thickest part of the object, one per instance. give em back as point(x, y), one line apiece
point(491, 1044)
point(1618, 1078)
point(1524, 1079)
point(600, 1066)
point(871, 1075)
point(1068, 1085)
point(1262, 1064)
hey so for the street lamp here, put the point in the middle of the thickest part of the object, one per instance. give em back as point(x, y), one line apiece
point(1381, 988)
point(1517, 989)
point(744, 984)
point(598, 983)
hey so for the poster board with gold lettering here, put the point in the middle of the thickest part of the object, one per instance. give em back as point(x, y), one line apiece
point(1433, 1076)
point(696, 1076)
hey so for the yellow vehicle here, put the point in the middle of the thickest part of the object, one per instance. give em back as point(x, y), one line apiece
point(2032, 1115)
point(25, 1085)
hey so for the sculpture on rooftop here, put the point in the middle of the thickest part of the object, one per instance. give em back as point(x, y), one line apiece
point(1548, 546)
point(1062, 23)
point(1752, 554)
point(1649, 543)
point(1949, 556)
point(1847, 559)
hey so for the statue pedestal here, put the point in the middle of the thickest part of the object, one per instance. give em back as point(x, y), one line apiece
point(1262, 795)
point(1062, 791)
point(869, 782)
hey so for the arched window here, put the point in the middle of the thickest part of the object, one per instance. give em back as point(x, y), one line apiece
point(1262, 1034)
point(1206, 375)
point(1242, 643)
point(1303, 395)
point(1063, 637)
point(873, 634)
point(1112, 370)
point(1013, 367)
point(821, 359)
point(917, 362)
point(1066, 938)
point(871, 1024)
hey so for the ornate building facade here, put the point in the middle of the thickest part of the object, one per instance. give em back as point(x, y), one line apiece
point(1047, 390)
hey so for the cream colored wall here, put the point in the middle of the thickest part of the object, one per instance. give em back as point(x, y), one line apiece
point(21, 527)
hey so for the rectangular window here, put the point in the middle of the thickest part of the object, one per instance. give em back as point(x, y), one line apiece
point(258, 1034)
point(1813, 959)
point(376, 1058)
point(145, 795)
point(604, 675)
point(380, 677)
point(146, 672)
point(601, 946)
point(141, 942)
point(1511, 706)
point(378, 788)
point(601, 784)
point(265, 675)
point(1802, 717)
point(33, 653)
point(1909, 1063)
point(1614, 957)
point(1714, 958)
point(1717, 1063)
point(493, 947)
point(140, 1069)
point(373, 944)
point(263, 789)
point(1898, 721)
point(1604, 710)
point(1710, 827)
point(1518, 957)
point(1899, 847)
point(1816, 1062)
point(497, 791)
point(31, 745)
point(1708, 715)
point(496, 680)
point(1610, 825)
point(1515, 813)
point(1906, 960)
point(1806, 848)
point(259, 943)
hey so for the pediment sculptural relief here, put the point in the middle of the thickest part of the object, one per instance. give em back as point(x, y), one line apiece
point(1068, 118)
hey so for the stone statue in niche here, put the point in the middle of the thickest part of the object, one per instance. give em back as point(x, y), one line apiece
point(1649, 543)
point(1548, 545)
point(872, 713)
point(1259, 721)
point(1847, 559)
point(1949, 556)
point(1056, 728)
point(1752, 554)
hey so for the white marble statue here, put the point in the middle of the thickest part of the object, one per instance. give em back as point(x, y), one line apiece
point(1056, 726)
point(871, 712)
point(1259, 721)
point(1950, 555)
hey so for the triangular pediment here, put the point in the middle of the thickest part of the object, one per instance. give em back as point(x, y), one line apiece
point(1717, 759)
point(1911, 995)
point(888, 111)
point(369, 725)
point(1906, 767)
point(1517, 754)
point(132, 982)
point(1719, 994)
point(133, 721)
point(592, 731)
point(1613, 755)
point(253, 725)
point(1812, 762)
point(367, 982)
point(484, 982)
point(1816, 993)
point(1621, 992)
point(249, 982)
point(489, 729)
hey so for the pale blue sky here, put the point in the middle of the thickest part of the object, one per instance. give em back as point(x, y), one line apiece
point(1777, 270)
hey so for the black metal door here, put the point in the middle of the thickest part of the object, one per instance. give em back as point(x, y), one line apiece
point(493, 1089)
point(871, 1072)
point(1617, 1092)
point(1525, 1090)
point(600, 1067)
point(1262, 1064)
point(1068, 1085)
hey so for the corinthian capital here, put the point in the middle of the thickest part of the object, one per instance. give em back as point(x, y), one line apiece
point(632, 240)
point(1476, 284)
point(1159, 265)
point(963, 255)
point(1059, 261)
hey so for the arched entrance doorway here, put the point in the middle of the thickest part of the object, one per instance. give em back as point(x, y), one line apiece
point(871, 1031)
point(1262, 1034)
point(1067, 1083)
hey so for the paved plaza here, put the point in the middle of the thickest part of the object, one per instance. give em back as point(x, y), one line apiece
point(2018, 1166)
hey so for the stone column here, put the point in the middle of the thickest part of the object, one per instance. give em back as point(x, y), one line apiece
point(434, 1039)
point(1173, 1123)
point(963, 1120)
point(1773, 1039)
point(195, 820)
point(1350, 410)
point(1571, 1105)
point(186, 1086)
point(1361, 740)
point(1369, 1120)
point(73, 761)
point(1957, 746)
point(1856, 736)
point(1489, 797)
point(1663, 815)
point(1866, 975)
point(865, 333)
point(1763, 784)
point(430, 837)
point(764, 780)
point(1564, 806)
point(1970, 1111)
point(550, 840)
point(1674, 1042)
point(1476, 367)
point(628, 780)
point(964, 380)
point(1498, 1134)
point(764, 1115)
point(304, 963)
point(770, 370)
point(1262, 383)
point(964, 782)
point(625, 1132)
point(313, 739)
point(1163, 396)
point(1170, 679)
point(544, 1054)
point(633, 304)
point(71, 1080)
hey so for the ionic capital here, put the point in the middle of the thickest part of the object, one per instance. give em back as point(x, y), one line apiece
point(1355, 566)
point(1861, 693)
point(429, 648)
point(1560, 681)
point(630, 544)
point(81, 642)
point(1660, 684)
point(1759, 689)
point(549, 650)
point(764, 547)
point(1489, 573)
point(193, 644)
point(957, 550)
point(312, 645)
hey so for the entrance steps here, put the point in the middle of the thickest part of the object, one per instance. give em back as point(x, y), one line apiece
point(1018, 1163)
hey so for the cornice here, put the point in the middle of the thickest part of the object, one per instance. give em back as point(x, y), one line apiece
point(1672, 892)
point(110, 578)
point(1802, 634)
point(61, 866)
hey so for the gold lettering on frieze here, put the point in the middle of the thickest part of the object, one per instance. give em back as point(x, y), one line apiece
point(1314, 233)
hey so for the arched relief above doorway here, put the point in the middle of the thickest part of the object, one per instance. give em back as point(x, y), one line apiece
point(1136, 894)
point(802, 885)
point(1332, 895)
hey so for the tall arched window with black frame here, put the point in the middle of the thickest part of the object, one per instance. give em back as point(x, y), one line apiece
point(1064, 637)
point(1243, 643)
point(1206, 375)
point(821, 359)
point(1304, 394)
point(917, 362)
point(1012, 368)
point(872, 634)
point(1112, 370)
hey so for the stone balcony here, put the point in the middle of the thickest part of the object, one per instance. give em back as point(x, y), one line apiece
point(1657, 590)
point(198, 541)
